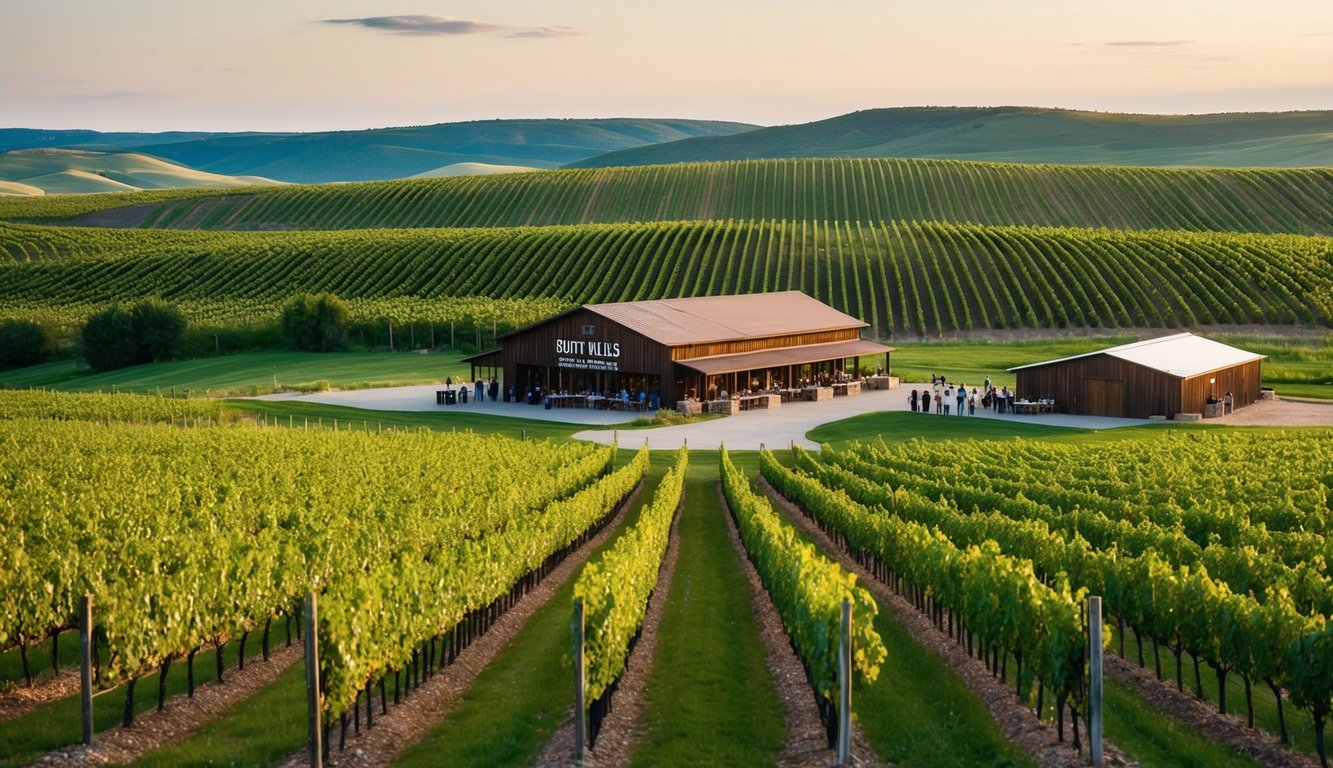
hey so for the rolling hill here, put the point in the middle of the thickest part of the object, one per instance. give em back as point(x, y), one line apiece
point(1269, 200)
point(903, 278)
point(1020, 135)
point(70, 171)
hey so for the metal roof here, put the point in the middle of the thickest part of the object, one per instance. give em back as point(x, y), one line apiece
point(723, 318)
point(773, 358)
point(1182, 355)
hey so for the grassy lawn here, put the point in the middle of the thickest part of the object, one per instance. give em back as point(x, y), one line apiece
point(901, 426)
point(56, 724)
point(710, 696)
point(299, 415)
point(246, 374)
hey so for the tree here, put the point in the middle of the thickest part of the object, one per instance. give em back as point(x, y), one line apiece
point(108, 339)
point(22, 342)
point(157, 328)
point(316, 322)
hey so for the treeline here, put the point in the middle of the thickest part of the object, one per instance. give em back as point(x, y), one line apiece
point(845, 189)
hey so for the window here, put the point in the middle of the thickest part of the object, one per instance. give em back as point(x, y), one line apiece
point(589, 330)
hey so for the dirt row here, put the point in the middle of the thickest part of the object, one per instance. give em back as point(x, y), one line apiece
point(182, 716)
point(622, 729)
point(806, 745)
point(1203, 718)
point(1017, 722)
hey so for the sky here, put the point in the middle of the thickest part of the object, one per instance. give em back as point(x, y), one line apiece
point(302, 65)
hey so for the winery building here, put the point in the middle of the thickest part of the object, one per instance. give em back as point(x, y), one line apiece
point(1164, 376)
point(683, 348)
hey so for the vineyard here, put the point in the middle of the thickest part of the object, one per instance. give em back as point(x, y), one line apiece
point(900, 277)
point(861, 189)
point(189, 538)
point(1209, 546)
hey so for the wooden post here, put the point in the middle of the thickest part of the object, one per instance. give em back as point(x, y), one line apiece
point(1095, 680)
point(845, 684)
point(580, 683)
point(86, 665)
point(312, 692)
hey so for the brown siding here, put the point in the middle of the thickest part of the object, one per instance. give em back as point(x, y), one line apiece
point(711, 349)
point(537, 346)
point(1144, 392)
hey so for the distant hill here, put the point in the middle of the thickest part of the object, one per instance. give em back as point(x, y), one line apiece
point(69, 171)
point(1022, 135)
point(471, 169)
point(384, 153)
point(838, 189)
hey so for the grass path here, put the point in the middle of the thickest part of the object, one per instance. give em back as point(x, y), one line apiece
point(710, 695)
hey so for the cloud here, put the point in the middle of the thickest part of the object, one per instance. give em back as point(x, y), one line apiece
point(1147, 43)
point(444, 26)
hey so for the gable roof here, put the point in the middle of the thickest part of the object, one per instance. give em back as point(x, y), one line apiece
point(722, 318)
point(1182, 355)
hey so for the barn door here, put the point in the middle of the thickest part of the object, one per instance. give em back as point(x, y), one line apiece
point(1103, 397)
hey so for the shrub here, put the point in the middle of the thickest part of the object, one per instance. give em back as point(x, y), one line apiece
point(108, 339)
point(22, 342)
point(315, 322)
point(157, 328)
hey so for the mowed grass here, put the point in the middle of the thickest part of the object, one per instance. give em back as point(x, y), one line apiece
point(248, 373)
point(902, 426)
point(317, 416)
point(711, 699)
point(57, 723)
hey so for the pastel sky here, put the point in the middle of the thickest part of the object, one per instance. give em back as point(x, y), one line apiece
point(300, 65)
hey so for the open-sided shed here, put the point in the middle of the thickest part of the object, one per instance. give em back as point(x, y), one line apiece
point(1164, 376)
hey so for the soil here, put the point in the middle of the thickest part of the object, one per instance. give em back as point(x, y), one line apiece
point(1203, 718)
point(622, 728)
point(806, 745)
point(408, 723)
point(182, 716)
point(1018, 724)
point(18, 700)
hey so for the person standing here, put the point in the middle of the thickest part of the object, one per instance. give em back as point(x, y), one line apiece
point(1004, 398)
point(939, 408)
point(479, 389)
point(961, 397)
point(911, 401)
point(494, 389)
point(972, 403)
point(986, 387)
point(948, 395)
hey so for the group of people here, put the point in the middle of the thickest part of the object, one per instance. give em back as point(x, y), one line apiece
point(482, 389)
point(947, 398)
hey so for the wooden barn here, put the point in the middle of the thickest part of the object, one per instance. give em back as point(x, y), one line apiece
point(1165, 376)
point(681, 348)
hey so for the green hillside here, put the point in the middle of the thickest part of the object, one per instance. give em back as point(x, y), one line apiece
point(901, 277)
point(391, 153)
point(1021, 135)
point(1295, 201)
point(383, 153)
point(66, 171)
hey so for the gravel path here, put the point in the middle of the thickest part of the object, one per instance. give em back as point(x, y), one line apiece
point(1279, 413)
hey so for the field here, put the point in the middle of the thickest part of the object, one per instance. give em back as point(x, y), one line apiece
point(847, 189)
point(1184, 517)
point(456, 558)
